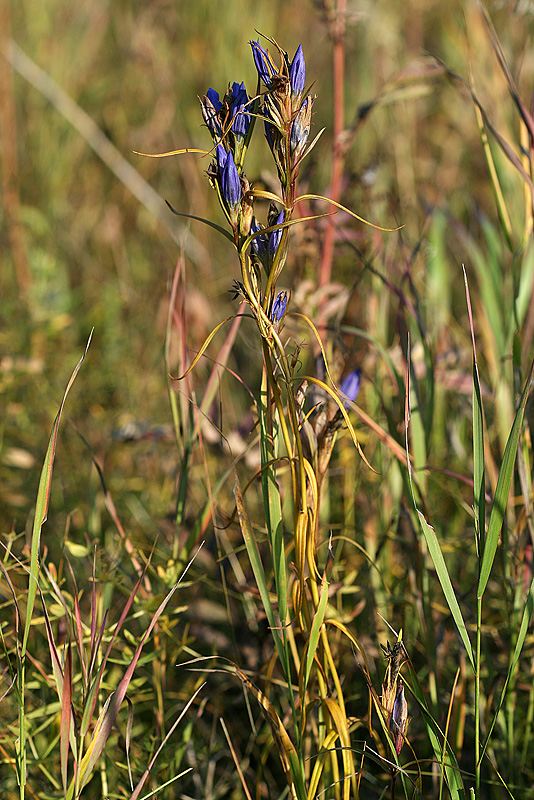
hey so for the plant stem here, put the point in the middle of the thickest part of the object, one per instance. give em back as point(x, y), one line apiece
point(338, 37)
point(477, 699)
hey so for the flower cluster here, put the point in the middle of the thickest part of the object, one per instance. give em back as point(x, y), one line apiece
point(286, 114)
point(264, 246)
point(286, 111)
point(229, 122)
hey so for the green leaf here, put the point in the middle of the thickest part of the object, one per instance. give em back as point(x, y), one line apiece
point(315, 632)
point(452, 770)
point(41, 506)
point(257, 567)
point(271, 500)
point(446, 584)
point(479, 481)
point(501, 492)
point(205, 221)
point(523, 629)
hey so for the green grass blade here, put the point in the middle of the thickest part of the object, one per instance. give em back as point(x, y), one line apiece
point(271, 501)
point(66, 717)
point(432, 540)
point(108, 717)
point(479, 481)
point(257, 567)
point(446, 584)
point(502, 490)
point(452, 770)
point(523, 630)
point(524, 291)
point(137, 791)
point(315, 632)
point(41, 507)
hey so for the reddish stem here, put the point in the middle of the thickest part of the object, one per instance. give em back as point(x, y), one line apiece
point(338, 37)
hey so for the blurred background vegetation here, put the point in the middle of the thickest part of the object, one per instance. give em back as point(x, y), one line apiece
point(92, 255)
point(81, 250)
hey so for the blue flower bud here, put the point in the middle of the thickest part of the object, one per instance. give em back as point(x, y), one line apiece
point(212, 95)
point(279, 307)
point(259, 244)
point(275, 236)
point(221, 155)
point(264, 65)
point(209, 107)
point(239, 94)
point(230, 182)
point(241, 118)
point(297, 72)
point(350, 386)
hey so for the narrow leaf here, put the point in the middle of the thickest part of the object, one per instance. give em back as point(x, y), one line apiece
point(137, 791)
point(523, 629)
point(479, 482)
point(207, 222)
point(503, 488)
point(257, 566)
point(202, 349)
point(41, 507)
point(172, 152)
point(313, 641)
point(107, 720)
point(66, 717)
point(284, 745)
point(446, 584)
point(347, 210)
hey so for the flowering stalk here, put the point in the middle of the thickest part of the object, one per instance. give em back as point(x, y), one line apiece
point(285, 108)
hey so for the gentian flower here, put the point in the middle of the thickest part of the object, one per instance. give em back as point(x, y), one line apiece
point(221, 155)
point(212, 95)
point(264, 63)
point(297, 72)
point(216, 112)
point(279, 307)
point(210, 107)
point(275, 236)
point(230, 181)
point(259, 244)
point(350, 386)
point(241, 119)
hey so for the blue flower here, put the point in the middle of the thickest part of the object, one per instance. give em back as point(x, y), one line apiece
point(279, 307)
point(230, 181)
point(212, 95)
point(239, 95)
point(350, 386)
point(241, 122)
point(297, 72)
point(259, 244)
point(210, 107)
point(264, 63)
point(221, 155)
point(275, 236)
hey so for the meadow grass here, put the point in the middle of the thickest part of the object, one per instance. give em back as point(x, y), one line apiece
point(281, 543)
